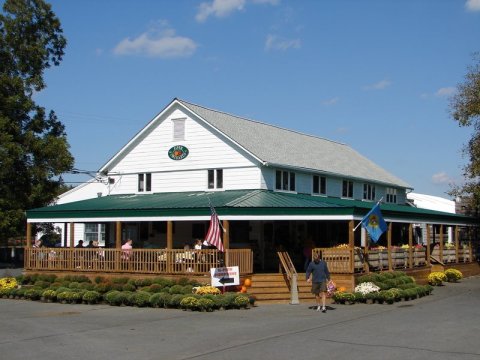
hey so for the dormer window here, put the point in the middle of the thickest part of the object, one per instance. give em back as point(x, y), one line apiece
point(319, 185)
point(368, 192)
point(347, 189)
point(284, 180)
point(178, 129)
point(391, 195)
point(215, 179)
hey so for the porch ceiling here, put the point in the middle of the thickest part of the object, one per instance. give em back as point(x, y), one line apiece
point(254, 204)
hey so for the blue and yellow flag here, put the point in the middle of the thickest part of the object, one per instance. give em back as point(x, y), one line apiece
point(373, 222)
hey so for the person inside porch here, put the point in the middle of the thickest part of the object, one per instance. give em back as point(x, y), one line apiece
point(127, 249)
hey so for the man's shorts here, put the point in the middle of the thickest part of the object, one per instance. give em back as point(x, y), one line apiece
point(318, 287)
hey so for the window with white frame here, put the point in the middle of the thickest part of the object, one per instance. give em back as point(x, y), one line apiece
point(215, 179)
point(347, 189)
point(368, 192)
point(319, 185)
point(285, 180)
point(391, 196)
point(94, 232)
point(144, 182)
point(178, 129)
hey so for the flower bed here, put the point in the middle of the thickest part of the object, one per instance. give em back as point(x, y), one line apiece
point(158, 292)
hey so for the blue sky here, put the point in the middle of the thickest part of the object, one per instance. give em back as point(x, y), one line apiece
point(376, 75)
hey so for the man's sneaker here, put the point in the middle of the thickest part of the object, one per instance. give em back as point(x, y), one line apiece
point(324, 309)
point(319, 308)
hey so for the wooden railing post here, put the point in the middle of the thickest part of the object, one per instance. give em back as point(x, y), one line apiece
point(428, 244)
point(410, 246)
point(118, 244)
point(226, 240)
point(351, 245)
point(389, 246)
point(441, 243)
point(170, 254)
point(457, 245)
point(29, 236)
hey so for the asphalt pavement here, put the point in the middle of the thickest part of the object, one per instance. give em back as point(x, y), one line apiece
point(444, 325)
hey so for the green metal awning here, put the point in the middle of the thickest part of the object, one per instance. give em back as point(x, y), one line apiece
point(231, 205)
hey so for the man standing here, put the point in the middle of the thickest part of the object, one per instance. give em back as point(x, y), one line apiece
point(318, 274)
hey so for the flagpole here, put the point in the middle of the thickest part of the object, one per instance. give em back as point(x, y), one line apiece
point(219, 222)
point(378, 202)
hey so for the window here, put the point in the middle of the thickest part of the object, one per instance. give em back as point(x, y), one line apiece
point(391, 196)
point(347, 189)
point(319, 185)
point(215, 179)
point(178, 129)
point(368, 192)
point(144, 182)
point(285, 180)
point(94, 232)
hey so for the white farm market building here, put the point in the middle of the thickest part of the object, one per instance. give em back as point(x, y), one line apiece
point(274, 190)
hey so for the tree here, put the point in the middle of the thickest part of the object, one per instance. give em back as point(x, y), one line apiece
point(34, 149)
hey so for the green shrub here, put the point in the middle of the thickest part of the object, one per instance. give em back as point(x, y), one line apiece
point(63, 296)
point(140, 298)
point(103, 288)
point(164, 282)
point(154, 288)
point(436, 278)
point(365, 278)
point(453, 275)
point(143, 282)
point(175, 300)
point(49, 294)
point(128, 287)
point(33, 294)
point(86, 286)
point(176, 289)
point(183, 281)
point(206, 304)
point(343, 297)
point(189, 303)
point(241, 301)
point(20, 292)
point(20, 279)
point(99, 279)
point(160, 299)
point(359, 297)
point(112, 298)
point(120, 280)
point(42, 284)
point(7, 291)
point(74, 285)
point(187, 289)
point(91, 297)
point(50, 278)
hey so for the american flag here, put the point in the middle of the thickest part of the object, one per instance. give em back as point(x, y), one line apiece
point(213, 234)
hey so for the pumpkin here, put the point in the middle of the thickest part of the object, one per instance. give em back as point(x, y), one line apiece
point(342, 289)
point(247, 282)
point(244, 289)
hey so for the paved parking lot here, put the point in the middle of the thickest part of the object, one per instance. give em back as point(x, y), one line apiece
point(442, 326)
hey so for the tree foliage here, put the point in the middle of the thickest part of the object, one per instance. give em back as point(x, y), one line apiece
point(33, 146)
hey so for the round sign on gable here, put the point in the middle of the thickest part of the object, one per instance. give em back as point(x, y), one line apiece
point(178, 152)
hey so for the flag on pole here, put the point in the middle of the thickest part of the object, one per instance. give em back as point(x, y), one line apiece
point(373, 222)
point(213, 234)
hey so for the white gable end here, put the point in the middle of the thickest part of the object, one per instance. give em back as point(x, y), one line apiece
point(207, 149)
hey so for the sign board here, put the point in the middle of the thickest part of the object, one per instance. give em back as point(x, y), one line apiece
point(225, 276)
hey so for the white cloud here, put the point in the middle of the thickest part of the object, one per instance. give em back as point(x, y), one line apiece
point(441, 178)
point(162, 44)
point(473, 5)
point(218, 8)
point(445, 91)
point(331, 101)
point(223, 8)
point(382, 84)
point(274, 42)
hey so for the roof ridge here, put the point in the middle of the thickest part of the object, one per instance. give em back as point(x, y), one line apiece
point(260, 122)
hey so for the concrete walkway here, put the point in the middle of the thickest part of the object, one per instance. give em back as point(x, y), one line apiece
point(444, 325)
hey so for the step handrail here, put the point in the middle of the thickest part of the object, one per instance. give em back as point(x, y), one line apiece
point(291, 275)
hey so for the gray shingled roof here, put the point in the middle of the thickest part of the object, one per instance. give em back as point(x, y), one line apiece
point(285, 147)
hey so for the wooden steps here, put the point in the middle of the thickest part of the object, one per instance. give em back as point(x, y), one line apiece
point(273, 289)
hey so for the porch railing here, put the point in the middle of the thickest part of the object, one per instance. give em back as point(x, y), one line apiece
point(347, 261)
point(139, 261)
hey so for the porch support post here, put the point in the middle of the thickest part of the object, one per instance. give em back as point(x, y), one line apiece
point(170, 254)
point(410, 246)
point(457, 247)
point(389, 246)
point(226, 234)
point(118, 244)
point(226, 240)
point(72, 235)
point(366, 266)
point(351, 245)
point(441, 243)
point(29, 235)
point(428, 244)
point(169, 235)
point(118, 235)
point(470, 247)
